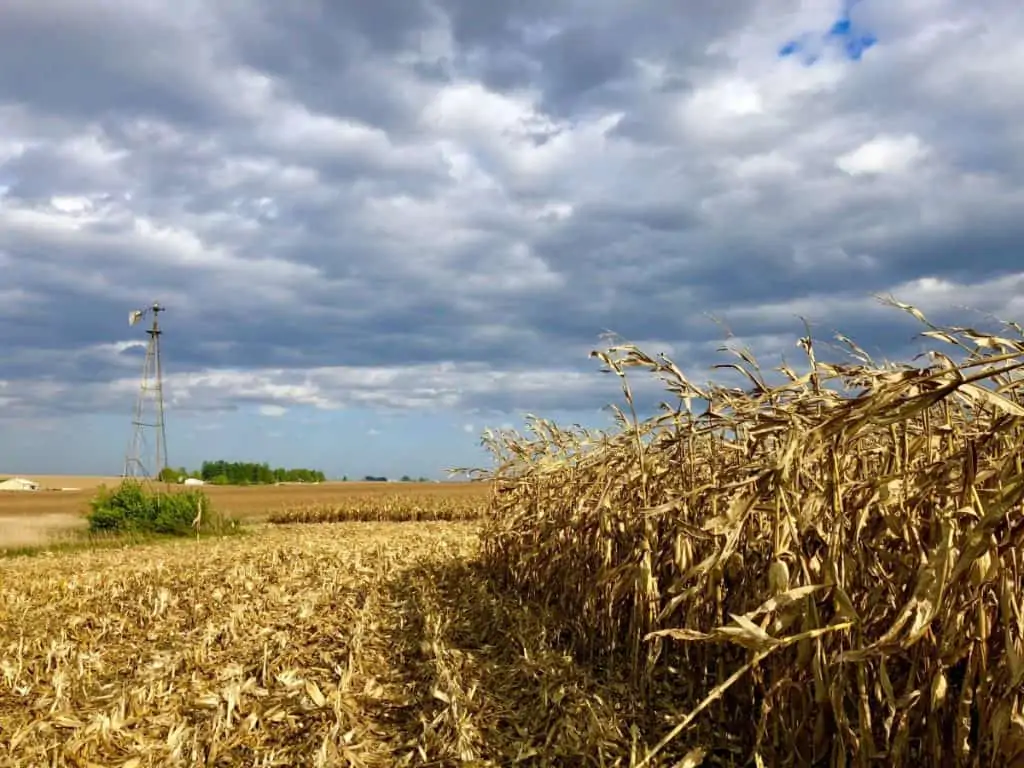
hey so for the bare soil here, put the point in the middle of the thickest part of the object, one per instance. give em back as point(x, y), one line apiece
point(28, 531)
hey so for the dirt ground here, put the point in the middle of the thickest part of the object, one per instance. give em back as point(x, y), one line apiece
point(253, 502)
point(27, 531)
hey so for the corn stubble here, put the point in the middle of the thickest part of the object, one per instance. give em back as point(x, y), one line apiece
point(826, 571)
point(363, 644)
point(262, 650)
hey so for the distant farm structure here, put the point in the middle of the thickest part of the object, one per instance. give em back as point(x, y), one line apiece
point(19, 484)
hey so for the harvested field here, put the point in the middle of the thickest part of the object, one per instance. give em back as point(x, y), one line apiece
point(56, 482)
point(23, 531)
point(355, 644)
point(251, 502)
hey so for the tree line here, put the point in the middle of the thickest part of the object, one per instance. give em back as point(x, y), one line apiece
point(252, 473)
point(244, 473)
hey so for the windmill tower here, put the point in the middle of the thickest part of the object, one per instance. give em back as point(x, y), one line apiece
point(147, 451)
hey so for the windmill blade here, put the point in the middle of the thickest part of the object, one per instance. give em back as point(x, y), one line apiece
point(134, 316)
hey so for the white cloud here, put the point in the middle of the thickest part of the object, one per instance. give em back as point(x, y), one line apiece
point(720, 104)
point(509, 134)
point(882, 154)
point(71, 205)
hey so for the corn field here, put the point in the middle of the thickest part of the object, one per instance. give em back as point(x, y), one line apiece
point(826, 570)
point(386, 508)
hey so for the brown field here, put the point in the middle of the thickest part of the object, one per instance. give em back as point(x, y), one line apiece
point(23, 531)
point(85, 482)
point(251, 503)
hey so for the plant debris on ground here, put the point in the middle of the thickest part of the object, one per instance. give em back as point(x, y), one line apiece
point(358, 644)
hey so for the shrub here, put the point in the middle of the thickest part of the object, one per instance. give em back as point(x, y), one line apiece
point(133, 507)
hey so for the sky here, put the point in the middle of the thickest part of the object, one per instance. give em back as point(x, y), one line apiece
point(379, 228)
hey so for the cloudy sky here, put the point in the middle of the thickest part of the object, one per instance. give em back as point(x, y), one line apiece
point(379, 227)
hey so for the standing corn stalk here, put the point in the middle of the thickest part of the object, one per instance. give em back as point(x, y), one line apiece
point(835, 555)
point(198, 521)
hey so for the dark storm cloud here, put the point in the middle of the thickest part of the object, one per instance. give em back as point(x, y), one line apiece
point(81, 61)
point(443, 204)
point(577, 53)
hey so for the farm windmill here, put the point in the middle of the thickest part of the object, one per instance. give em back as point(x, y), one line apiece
point(147, 451)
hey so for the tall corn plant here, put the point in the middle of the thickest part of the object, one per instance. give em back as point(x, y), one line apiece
point(836, 556)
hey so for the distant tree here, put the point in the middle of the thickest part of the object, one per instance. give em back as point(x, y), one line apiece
point(252, 473)
point(169, 475)
point(406, 479)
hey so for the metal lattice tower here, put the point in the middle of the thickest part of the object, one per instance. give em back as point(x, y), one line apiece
point(147, 451)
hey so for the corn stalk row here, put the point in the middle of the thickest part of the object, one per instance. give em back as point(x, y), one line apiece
point(835, 558)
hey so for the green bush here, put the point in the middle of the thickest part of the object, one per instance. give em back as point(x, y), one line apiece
point(132, 507)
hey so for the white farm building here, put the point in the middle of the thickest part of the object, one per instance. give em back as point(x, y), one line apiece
point(19, 484)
